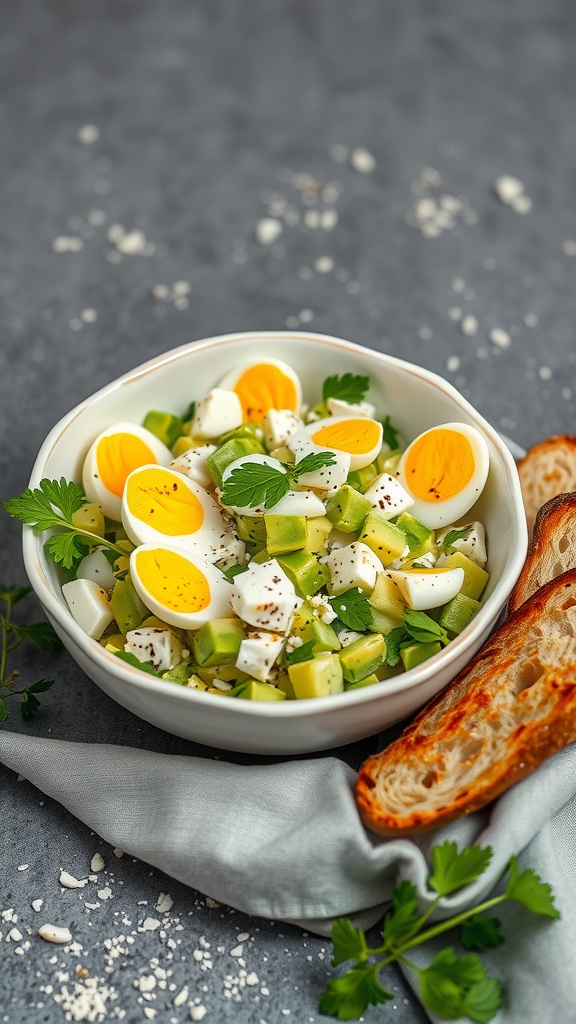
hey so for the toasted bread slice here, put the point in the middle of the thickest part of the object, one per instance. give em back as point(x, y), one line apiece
point(552, 551)
point(512, 707)
point(548, 469)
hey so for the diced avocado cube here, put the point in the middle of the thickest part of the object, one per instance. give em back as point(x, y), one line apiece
point(458, 613)
point(227, 673)
point(283, 454)
point(360, 479)
point(195, 683)
point(251, 529)
point(230, 451)
point(386, 596)
point(305, 571)
point(126, 606)
point(367, 681)
point(347, 509)
point(121, 565)
point(217, 642)
point(383, 622)
point(182, 444)
point(113, 642)
point(179, 674)
point(317, 678)
point(164, 425)
point(417, 534)
point(475, 578)
point(323, 635)
point(91, 518)
point(122, 539)
point(259, 556)
point(388, 459)
point(285, 533)
point(318, 530)
point(250, 430)
point(387, 541)
point(253, 689)
point(283, 683)
point(417, 653)
point(362, 657)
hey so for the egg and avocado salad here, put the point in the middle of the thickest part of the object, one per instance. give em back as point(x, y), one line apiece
point(257, 548)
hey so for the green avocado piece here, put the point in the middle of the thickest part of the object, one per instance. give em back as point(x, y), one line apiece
point(360, 479)
point(386, 596)
point(347, 509)
point(383, 622)
point(387, 541)
point(285, 533)
point(318, 677)
point(317, 531)
point(251, 529)
point(253, 689)
point(179, 674)
point(217, 642)
point(164, 425)
point(126, 607)
point(475, 578)
point(417, 535)
point(363, 657)
point(367, 681)
point(458, 613)
point(91, 518)
point(305, 572)
point(417, 653)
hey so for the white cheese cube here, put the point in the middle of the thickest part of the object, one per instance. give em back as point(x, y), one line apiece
point(259, 653)
point(337, 407)
point(97, 568)
point(158, 647)
point(230, 551)
point(88, 604)
point(328, 477)
point(265, 597)
point(193, 464)
point(387, 496)
point(355, 565)
point(473, 545)
point(217, 413)
point(299, 503)
point(279, 424)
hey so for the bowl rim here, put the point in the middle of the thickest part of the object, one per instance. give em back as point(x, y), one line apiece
point(32, 544)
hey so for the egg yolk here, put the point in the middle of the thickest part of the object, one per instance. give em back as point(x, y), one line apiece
point(117, 456)
point(160, 500)
point(354, 436)
point(263, 387)
point(439, 465)
point(172, 580)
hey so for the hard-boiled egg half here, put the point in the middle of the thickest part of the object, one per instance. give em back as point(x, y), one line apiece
point(267, 384)
point(360, 436)
point(444, 470)
point(177, 586)
point(115, 453)
point(427, 588)
point(163, 505)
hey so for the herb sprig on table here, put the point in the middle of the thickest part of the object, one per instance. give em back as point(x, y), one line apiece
point(12, 634)
point(452, 985)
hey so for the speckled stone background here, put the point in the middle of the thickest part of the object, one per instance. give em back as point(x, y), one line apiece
point(208, 117)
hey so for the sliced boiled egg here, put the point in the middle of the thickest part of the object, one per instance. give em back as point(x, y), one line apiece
point(163, 505)
point(359, 436)
point(263, 385)
point(293, 503)
point(117, 451)
point(182, 589)
point(444, 470)
point(427, 588)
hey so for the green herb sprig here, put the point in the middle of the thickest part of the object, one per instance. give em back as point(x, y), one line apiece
point(348, 387)
point(53, 504)
point(418, 628)
point(256, 483)
point(12, 634)
point(353, 609)
point(453, 535)
point(452, 985)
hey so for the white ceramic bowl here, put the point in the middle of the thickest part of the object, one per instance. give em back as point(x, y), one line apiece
point(415, 399)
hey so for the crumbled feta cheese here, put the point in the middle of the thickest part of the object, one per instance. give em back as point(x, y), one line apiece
point(355, 565)
point(258, 654)
point(157, 647)
point(322, 608)
point(387, 496)
point(279, 424)
point(337, 407)
point(264, 596)
point(52, 933)
point(217, 413)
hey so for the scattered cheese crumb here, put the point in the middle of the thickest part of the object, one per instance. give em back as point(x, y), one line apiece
point(22, 867)
point(164, 903)
point(52, 933)
point(69, 882)
point(469, 325)
point(37, 905)
point(499, 337)
point(268, 230)
point(118, 852)
point(88, 134)
point(97, 863)
point(198, 1012)
point(362, 160)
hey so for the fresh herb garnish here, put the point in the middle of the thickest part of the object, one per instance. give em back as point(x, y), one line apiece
point(390, 434)
point(453, 535)
point(131, 659)
point(348, 387)
point(12, 634)
point(418, 628)
point(353, 609)
point(233, 570)
point(302, 653)
point(53, 504)
point(451, 986)
point(256, 483)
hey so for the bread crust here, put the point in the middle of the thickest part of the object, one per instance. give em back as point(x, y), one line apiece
point(552, 549)
point(513, 706)
point(547, 469)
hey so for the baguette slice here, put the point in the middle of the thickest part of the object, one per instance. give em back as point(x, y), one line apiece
point(548, 469)
point(552, 551)
point(512, 707)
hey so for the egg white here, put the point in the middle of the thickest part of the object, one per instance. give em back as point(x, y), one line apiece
point(220, 590)
point(94, 487)
point(357, 460)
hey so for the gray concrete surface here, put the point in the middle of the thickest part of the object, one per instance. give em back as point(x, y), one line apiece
point(207, 115)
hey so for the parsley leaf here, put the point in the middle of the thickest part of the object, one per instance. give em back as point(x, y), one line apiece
point(401, 922)
point(67, 549)
point(481, 933)
point(349, 942)
point(255, 484)
point(390, 434)
point(453, 870)
point(39, 633)
point(348, 387)
point(302, 653)
point(530, 891)
point(353, 609)
point(423, 628)
point(443, 985)
point(232, 571)
point(482, 1000)
point(396, 640)
point(349, 996)
point(131, 659)
point(30, 703)
point(309, 464)
point(14, 594)
point(454, 535)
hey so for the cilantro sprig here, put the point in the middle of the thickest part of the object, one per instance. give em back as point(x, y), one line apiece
point(451, 985)
point(348, 387)
point(417, 627)
point(12, 634)
point(52, 505)
point(353, 609)
point(390, 435)
point(257, 483)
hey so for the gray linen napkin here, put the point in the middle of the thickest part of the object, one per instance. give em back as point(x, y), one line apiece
point(284, 841)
